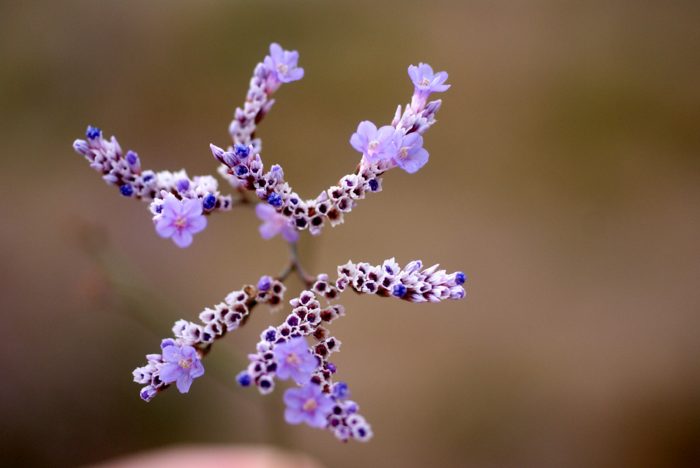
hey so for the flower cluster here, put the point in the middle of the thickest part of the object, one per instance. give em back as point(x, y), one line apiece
point(169, 194)
point(412, 283)
point(283, 353)
point(180, 360)
point(299, 349)
point(399, 144)
point(277, 68)
point(306, 319)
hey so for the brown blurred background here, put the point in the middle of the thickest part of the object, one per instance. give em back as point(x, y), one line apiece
point(563, 180)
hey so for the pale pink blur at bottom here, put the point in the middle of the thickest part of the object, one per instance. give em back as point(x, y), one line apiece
point(205, 456)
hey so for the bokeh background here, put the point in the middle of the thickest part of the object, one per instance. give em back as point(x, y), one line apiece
point(564, 180)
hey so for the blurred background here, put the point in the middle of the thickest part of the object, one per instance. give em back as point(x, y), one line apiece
point(564, 180)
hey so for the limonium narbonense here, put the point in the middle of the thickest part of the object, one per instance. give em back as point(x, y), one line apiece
point(299, 348)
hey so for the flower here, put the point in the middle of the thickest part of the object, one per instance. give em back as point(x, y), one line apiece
point(426, 81)
point(275, 223)
point(294, 360)
point(282, 64)
point(375, 145)
point(182, 365)
point(275, 200)
point(93, 132)
point(209, 202)
point(411, 155)
point(180, 219)
point(265, 282)
point(307, 404)
point(127, 190)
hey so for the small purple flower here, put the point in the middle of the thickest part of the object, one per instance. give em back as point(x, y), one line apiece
point(132, 159)
point(127, 190)
point(243, 379)
point(411, 155)
point(275, 200)
point(183, 185)
point(426, 81)
point(307, 404)
point(182, 365)
point(399, 290)
point(180, 219)
point(282, 65)
point(275, 223)
point(264, 283)
point(93, 132)
point(148, 392)
point(209, 202)
point(374, 144)
point(241, 151)
point(294, 360)
point(341, 390)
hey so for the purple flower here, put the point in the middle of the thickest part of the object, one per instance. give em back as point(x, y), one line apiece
point(180, 219)
point(411, 155)
point(307, 404)
point(426, 81)
point(294, 360)
point(275, 223)
point(265, 282)
point(282, 65)
point(93, 132)
point(182, 365)
point(374, 144)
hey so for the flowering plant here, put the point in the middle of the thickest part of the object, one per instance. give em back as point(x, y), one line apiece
point(181, 204)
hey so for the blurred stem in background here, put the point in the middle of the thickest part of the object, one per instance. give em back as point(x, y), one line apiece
point(128, 295)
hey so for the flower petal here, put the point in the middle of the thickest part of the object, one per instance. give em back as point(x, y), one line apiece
point(264, 211)
point(296, 74)
point(293, 416)
point(169, 372)
point(171, 353)
point(182, 238)
point(415, 162)
point(276, 51)
point(290, 233)
point(367, 129)
point(197, 224)
point(164, 227)
point(184, 382)
point(268, 230)
point(191, 207)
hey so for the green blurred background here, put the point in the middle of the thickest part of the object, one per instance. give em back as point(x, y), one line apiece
point(564, 180)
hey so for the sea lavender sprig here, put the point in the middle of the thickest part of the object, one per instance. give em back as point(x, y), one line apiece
point(192, 341)
point(283, 352)
point(280, 66)
point(185, 200)
point(412, 283)
point(179, 205)
point(397, 145)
